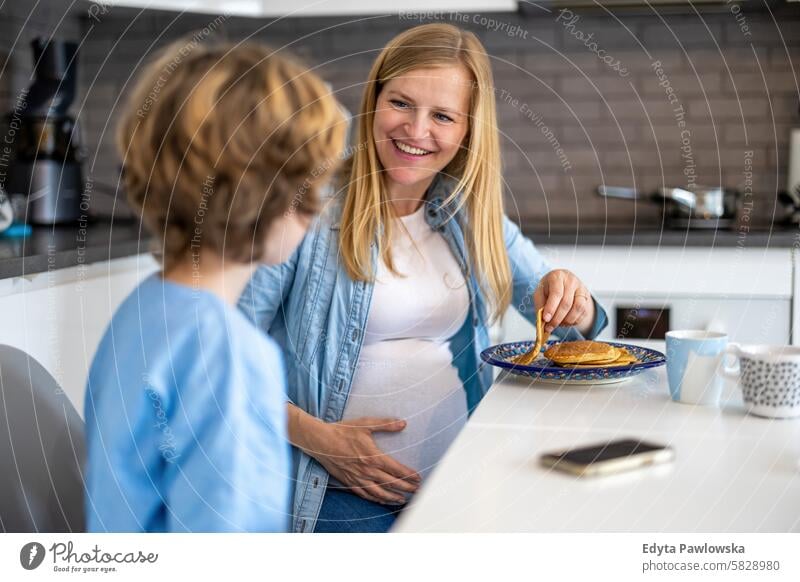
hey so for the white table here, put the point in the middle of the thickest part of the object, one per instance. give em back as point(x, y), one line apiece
point(732, 473)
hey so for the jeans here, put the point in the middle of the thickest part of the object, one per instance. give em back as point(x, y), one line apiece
point(344, 512)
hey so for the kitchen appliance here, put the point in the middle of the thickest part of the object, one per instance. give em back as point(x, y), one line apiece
point(790, 199)
point(6, 211)
point(46, 169)
point(702, 207)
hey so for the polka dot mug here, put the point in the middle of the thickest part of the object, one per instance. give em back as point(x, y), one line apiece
point(769, 377)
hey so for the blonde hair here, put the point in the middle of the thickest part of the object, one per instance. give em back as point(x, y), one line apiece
point(476, 167)
point(218, 141)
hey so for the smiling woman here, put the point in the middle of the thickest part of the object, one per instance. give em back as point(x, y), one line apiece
point(385, 308)
point(431, 88)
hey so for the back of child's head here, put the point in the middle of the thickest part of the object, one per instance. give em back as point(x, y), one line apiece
point(219, 141)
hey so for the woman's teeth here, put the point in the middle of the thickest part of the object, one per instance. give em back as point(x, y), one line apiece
point(409, 149)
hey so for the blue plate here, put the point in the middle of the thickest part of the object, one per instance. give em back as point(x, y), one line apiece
point(543, 369)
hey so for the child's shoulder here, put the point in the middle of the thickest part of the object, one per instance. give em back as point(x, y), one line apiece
point(171, 319)
point(227, 329)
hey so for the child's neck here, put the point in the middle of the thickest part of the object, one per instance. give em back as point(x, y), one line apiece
point(212, 273)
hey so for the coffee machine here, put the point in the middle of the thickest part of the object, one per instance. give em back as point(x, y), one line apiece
point(45, 179)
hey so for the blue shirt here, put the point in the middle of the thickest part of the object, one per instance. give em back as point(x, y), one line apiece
point(185, 418)
point(318, 315)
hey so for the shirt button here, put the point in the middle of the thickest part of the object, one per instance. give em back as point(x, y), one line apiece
point(475, 321)
point(355, 334)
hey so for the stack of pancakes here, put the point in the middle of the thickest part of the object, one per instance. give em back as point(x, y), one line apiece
point(588, 354)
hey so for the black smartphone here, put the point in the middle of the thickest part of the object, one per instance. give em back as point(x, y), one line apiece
point(607, 458)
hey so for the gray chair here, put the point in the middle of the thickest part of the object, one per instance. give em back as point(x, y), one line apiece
point(42, 450)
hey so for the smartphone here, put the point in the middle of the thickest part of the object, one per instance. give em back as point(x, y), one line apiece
point(608, 458)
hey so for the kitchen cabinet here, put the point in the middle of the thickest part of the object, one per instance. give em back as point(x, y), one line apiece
point(274, 8)
point(59, 316)
point(750, 293)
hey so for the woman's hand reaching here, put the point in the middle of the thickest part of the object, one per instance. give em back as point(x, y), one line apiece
point(566, 301)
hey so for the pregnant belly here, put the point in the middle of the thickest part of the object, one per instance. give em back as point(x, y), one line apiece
point(414, 380)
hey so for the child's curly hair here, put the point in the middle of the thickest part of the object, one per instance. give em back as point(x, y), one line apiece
point(217, 141)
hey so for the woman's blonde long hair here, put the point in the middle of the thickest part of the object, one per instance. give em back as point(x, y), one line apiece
point(476, 168)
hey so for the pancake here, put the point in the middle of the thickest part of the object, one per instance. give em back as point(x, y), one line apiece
point(541, 338)
point(625, 359)
point(582, 352)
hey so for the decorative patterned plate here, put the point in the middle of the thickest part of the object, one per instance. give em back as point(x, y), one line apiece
point(545, 370)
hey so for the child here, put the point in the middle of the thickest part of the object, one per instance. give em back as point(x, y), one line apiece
point(223, 152)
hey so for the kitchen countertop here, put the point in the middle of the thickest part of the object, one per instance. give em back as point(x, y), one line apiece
point(619, 235)
point(732, 471)
point(58, 247)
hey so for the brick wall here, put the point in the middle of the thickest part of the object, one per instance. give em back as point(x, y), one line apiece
point(736, 89)
point(20, 23)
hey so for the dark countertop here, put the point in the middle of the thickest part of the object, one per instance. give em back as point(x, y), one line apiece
point(59, 247)
point(777, 237)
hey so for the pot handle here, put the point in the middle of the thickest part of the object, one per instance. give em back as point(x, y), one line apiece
point(619, 192)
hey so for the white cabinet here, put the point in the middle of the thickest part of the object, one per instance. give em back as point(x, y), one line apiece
point(747, 292)
point(59, 317)
point(269, 8)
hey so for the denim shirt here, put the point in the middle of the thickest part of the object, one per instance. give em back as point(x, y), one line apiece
point(318, 314)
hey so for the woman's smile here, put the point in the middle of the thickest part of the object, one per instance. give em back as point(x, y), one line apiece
point(407, 151)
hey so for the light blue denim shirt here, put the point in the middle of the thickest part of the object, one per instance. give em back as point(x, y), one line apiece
point(318, 314)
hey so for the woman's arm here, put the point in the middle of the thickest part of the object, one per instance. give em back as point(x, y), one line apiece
point(536, 284)
point(349, 453)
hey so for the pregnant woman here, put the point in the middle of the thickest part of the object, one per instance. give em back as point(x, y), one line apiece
point(384, 309)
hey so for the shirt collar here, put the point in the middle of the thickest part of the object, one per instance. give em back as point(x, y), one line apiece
point(436, 211)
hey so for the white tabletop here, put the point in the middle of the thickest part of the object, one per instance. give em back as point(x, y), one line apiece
point(733, 472)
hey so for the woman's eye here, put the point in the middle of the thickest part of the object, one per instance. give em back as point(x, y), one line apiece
point(399, 104)
point(443, 117)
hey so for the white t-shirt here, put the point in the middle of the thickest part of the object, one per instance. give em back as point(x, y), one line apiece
point(405, 366)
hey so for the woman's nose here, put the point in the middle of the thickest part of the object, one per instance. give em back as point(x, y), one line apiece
point(418, 126)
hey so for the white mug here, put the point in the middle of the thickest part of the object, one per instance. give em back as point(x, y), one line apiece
point(769, 377)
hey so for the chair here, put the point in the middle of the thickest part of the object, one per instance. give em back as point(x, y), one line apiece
point(42, 450)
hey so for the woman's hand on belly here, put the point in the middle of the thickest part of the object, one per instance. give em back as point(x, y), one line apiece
point(347, 450)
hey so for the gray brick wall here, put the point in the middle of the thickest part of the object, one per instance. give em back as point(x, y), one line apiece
point(20, 23)
point(738, 92)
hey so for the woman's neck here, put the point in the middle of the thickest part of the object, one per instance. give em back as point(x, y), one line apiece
point(212, 273)
point(406, 199)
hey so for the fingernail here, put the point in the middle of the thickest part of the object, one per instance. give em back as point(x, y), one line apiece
point(547, 316)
